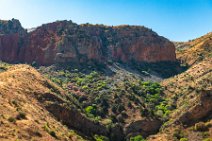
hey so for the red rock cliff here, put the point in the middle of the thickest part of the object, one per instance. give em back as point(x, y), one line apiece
point(65, 41)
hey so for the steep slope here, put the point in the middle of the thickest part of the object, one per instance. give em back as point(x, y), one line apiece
point(119, 101)
point(191, 95)
point(189, 88)
point(33, 105)
point(196, 50)
point(64, 41)
point(12, 36)
point(22, 116)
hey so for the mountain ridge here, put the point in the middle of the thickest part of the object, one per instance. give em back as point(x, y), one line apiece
point(65, 41)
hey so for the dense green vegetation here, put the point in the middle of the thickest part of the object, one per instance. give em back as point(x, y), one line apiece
point(100, 138)
point(137, 138)
point(107, 98)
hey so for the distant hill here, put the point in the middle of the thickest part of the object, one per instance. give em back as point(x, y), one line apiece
point(195, 51)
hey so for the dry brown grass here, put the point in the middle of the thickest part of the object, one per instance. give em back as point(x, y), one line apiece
point(184, 90)
point(195, 51)
point(18, 87)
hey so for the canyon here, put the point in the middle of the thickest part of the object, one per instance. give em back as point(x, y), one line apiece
point(70, 82)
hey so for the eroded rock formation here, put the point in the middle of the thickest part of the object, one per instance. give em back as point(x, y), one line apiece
point(64, 41)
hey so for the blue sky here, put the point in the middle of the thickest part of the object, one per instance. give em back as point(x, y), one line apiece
point(177, 20)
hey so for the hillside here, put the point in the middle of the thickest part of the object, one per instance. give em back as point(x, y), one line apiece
point(181, 110)
point(195, 51)
point(22, 115)
point(118, 98)
point(103, 83)
point(30, 100)
point(65, 41)
point(190, 94)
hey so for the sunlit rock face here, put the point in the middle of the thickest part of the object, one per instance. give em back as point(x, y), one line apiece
point(65, 41)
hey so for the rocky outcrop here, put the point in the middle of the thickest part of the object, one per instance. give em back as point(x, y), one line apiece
point(9, 47)
point(11, 27)
point(144, 127)
point(70, 116)
point(196, 113)
point(12, 39)
point(64, 41)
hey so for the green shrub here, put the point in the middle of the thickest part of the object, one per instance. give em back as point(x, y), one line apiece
point(90, 111)
point(183, 139)
point(205, 134)
point(178, 134)
point(120, 108)
point(12, 119)
point(120, 118)
point(129, 104)
point(200, 126)
point(51, 132)
point(137, 138)
point(14, 102)
point(100, 138)
point(114, 108)
point(164, 108)
point(34, 64)
point(21, 115)
point(207, 139)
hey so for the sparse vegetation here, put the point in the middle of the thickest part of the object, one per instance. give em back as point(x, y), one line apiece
point(201, 126)
point(120, 98)
point(97, 95)
point(21, 115)
point(207, 139)
point(183, 139)
point(137, 138)
point(100, 138)
point(47, 129)
point(4, 66)
point(12, 119)
point(178, 134)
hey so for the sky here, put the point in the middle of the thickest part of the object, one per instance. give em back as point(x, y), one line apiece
point(177, 20)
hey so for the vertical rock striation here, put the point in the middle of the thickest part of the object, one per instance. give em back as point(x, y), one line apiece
point(65, 41)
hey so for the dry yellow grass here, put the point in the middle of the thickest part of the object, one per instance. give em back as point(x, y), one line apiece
point(185, 91)
point(18, 87)
point(196, 50)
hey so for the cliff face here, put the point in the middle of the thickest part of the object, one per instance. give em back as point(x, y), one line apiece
point(65, 41)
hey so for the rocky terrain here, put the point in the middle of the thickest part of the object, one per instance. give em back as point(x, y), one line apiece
point(96, 82)
point(65, 41)
point(191, 95)
point(195, 51)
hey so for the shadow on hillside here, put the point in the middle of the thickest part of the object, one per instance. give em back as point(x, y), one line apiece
point(162, 69)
